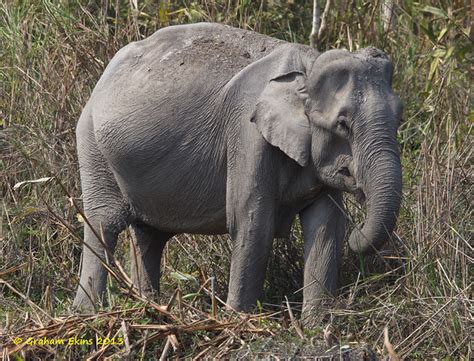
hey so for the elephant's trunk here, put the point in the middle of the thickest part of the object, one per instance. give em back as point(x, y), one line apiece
point(382, 185)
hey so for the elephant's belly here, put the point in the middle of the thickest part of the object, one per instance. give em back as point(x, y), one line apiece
point(174, 220)
point(188, 203)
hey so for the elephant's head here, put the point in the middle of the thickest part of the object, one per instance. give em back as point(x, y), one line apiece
point(339, 117)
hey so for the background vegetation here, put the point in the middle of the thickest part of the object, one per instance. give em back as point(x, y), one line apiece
point(420, 287)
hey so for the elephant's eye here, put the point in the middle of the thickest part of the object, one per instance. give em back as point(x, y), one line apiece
point(343, 125)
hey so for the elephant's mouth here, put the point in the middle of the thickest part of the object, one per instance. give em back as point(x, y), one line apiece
point(350, 183)
point(359, 196)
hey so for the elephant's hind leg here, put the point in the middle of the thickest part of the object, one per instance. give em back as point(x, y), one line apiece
point(107, 214)
point(145, 254)
point(105, 222)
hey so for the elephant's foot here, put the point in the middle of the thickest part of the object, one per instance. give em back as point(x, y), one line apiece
point(243, 293)
point(83, 304)
point(315, 313)
point(91, 290)
point(233, 304)
point(145, 288)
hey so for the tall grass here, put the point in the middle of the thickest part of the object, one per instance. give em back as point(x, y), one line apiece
point(420, 287)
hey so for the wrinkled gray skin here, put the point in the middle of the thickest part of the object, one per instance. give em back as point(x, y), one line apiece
point(210, 129)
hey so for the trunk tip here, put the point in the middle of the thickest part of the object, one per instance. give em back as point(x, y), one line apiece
point(361, 244)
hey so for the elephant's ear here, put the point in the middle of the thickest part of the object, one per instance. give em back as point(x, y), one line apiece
point(280, 115)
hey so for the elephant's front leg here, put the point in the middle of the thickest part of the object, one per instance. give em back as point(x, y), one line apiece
point(323, 224)
point(251, 198)
point(253, 237)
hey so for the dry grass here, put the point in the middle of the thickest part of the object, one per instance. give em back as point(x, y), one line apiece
point(419, 287)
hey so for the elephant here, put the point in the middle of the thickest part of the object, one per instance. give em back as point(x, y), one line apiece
point(209, 129)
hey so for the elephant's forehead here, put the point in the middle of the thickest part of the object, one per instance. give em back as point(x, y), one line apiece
point(353, 76)
point(369, 63)
point(361, 67)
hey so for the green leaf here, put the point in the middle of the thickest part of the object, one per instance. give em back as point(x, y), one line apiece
point(439, 53)
point(433, 68)
point(191, 295)
point(449, 53)
point(184, 277)
point(435, 11)
point(442, 33)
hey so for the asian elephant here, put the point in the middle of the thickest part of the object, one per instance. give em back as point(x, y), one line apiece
point(210, 129)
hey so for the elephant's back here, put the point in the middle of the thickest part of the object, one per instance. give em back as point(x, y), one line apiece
point(172, 80)
point(184, 58)
point(219, 51)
